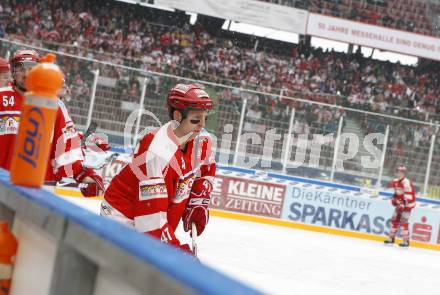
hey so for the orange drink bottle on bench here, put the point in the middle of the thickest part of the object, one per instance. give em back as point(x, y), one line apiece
point(33, 142)
point(8, 250)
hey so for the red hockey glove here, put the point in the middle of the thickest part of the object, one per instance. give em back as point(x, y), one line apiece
point(97, 143)
point(397, 200)
point(400, 208)
point(92, 186)
point(197, 209)
point(168, 237)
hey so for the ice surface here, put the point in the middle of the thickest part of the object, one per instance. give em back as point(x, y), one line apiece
point(281, 260)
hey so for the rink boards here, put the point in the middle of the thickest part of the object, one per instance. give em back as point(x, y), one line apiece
point(70, 250)
point(309, 204)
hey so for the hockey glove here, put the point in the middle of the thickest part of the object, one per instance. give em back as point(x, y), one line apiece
point(397, 200)
point(97, 143)
point(196, 210)
point(400, 208)
point(91, 184)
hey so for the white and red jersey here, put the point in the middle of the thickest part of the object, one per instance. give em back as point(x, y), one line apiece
point(66, 157)
point(10, 111)
point(153, 189)
point(404, 192)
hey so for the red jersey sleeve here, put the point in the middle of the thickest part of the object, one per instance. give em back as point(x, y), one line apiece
point(10, 112)
point(66, 157)
point(409, 194)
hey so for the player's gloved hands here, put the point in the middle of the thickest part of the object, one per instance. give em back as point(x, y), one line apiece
point(196, 210)
point(400, 208)
point(168, 237)
point(91, 183)
point(97, 143)
point(396, 201)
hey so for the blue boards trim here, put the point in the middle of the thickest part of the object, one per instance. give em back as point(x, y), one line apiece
point(316, 182)
point(145, 248)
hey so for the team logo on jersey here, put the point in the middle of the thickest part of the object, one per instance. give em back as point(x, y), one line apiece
point(152, 189)
point(9, 124)
point(184, 187)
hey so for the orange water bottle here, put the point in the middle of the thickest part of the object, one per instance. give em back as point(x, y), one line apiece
point(8, 249)
point(32, 146)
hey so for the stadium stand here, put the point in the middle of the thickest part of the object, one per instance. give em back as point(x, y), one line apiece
point(136, 40)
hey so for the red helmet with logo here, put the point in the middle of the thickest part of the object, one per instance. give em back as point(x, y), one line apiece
point(401, 168)
point(4, 66)
point(189, 96)
point(24, 56)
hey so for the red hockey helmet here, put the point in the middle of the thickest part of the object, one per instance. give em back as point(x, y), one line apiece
point(401, 168)
point(189, 96)
point(4, 66)
point(23, 57)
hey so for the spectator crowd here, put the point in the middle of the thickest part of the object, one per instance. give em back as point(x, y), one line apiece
point(103, 31)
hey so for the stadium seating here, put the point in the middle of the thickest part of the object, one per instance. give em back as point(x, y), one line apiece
point(122, 44)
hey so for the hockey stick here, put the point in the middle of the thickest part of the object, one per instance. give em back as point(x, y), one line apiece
point(194, 238)
point(193, 225)
point(91, 129)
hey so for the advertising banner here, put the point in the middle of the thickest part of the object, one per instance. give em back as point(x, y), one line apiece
point(354, 212)
point(248, 196)
point(301, 202)
point(252, 12)
point(339, 29)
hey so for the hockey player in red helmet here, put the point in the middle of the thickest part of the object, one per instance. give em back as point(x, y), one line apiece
point(404, 200)
point(5, 72)
point(66, 158)
point(21, 62)
point(170, 177)
point(11, 102)
point(92, 141)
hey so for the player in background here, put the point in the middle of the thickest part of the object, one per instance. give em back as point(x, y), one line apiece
point(66, 159)
point(5, 73)
point(404, 200)
point(12, 99)
point(89, 140)
point(170, 177)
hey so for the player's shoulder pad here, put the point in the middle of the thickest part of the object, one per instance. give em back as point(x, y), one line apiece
point(7, 89)
point(62, 106)
point(61, 103)
point(64, 111)
point(204, 132)
point(149, 131)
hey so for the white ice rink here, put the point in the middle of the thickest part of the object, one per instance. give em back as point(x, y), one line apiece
point(281, 260)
